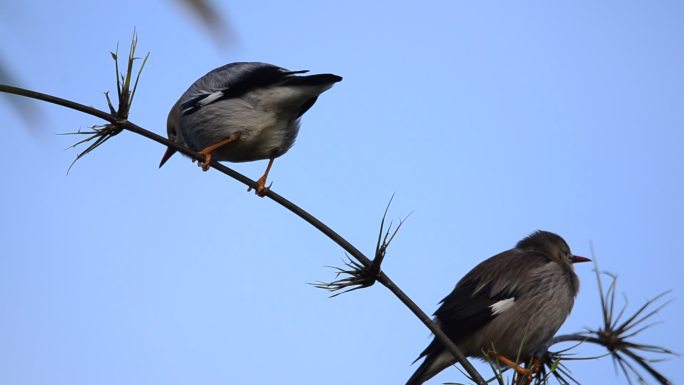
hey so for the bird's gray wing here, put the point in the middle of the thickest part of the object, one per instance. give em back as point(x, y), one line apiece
point(478, 298)
point(231, 81)
point(463, 312)
point(460, 314)
point(483, 293)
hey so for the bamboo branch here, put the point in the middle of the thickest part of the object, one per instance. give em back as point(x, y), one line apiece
point(339, 240)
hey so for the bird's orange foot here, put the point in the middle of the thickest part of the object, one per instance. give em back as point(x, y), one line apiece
point(525, 373)
point(261, 188)
point(207, 161)
point(208, 150)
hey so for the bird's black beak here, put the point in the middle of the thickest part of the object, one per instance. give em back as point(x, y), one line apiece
point(169, 152)
point(578, 259)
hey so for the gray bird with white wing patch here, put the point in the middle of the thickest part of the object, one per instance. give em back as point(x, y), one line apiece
point(507, 306)
point(244, 111)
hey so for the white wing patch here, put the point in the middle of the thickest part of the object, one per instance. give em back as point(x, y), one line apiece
point(502, 306)
point(210, 98)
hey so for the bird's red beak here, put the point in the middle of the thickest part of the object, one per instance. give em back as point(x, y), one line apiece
point(578, 259)
point(169, 152)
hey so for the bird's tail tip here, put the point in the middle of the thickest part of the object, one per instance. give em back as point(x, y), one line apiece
point(433, 364)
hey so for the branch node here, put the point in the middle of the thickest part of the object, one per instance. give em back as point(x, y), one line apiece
point(102, 133)
point(358, 275)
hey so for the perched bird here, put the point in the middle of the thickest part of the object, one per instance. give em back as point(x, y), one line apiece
point(507, 306)
point(244, 111)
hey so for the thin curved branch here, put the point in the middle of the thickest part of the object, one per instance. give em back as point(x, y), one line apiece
point(330, 233)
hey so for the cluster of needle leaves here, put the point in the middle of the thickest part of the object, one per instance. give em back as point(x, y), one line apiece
point(355, 275)
point(99, 134)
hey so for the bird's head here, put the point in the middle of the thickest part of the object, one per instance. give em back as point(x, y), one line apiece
point(552, 245)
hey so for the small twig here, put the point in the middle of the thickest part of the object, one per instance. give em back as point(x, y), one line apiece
point(359, 276)
point(112, 110)
point(102, 133)
point(356, 277)
point(384, 242)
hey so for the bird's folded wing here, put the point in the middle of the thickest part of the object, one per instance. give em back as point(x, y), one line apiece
point(486, 292)
point(232, 81)
point(462, 312)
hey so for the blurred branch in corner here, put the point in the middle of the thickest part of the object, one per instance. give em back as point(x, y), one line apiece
point(27, 109)
point(210, 17)
point(205, 11)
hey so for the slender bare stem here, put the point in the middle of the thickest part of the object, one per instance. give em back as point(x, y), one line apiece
point(343, 243)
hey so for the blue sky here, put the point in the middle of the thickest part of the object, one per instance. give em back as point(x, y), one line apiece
point(488, 120)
